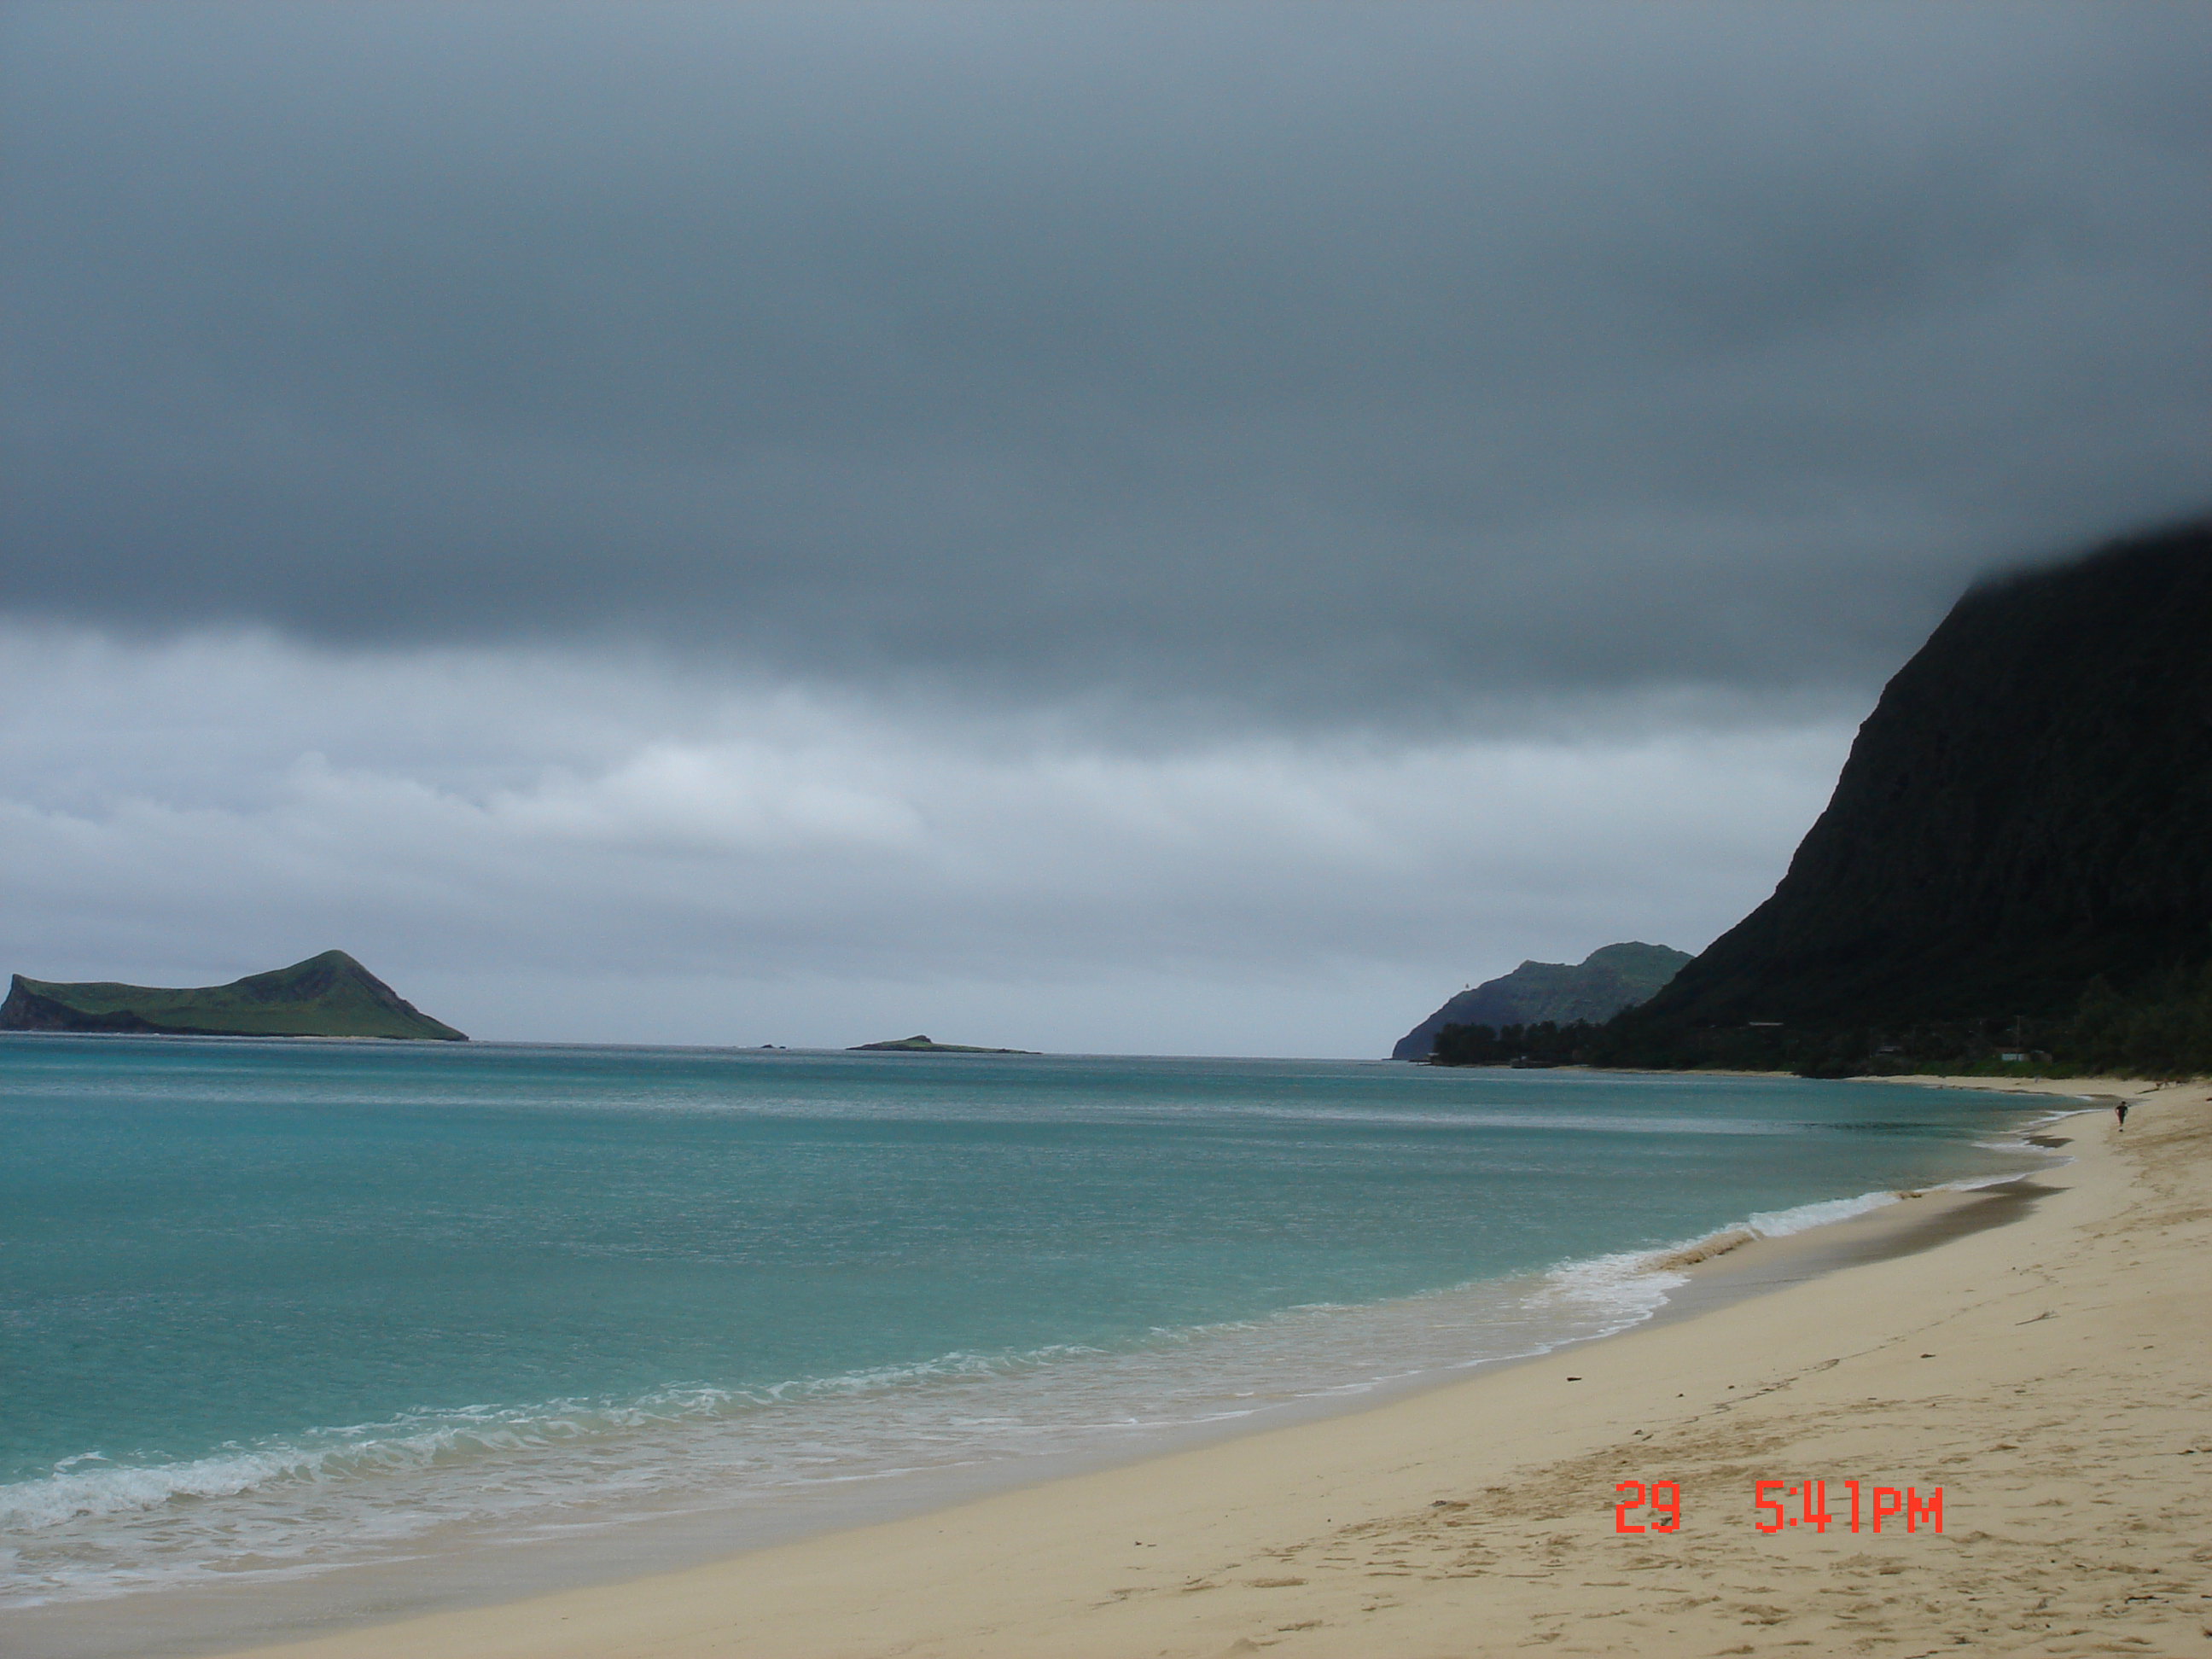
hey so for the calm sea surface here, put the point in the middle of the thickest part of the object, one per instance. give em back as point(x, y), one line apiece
point(270, 1308)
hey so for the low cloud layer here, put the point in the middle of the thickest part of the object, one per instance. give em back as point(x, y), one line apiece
point(761, 866)
point(1285, 364)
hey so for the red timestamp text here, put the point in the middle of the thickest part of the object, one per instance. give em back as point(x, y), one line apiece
point(1661, 1498)
point(1863, 1507)
point(1780, 1505)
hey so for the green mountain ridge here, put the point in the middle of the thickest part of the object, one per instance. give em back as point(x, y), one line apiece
point(330, 996)
point(1609, 979)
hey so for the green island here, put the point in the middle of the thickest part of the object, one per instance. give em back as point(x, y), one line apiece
point(922, 1045)
point(330, 996)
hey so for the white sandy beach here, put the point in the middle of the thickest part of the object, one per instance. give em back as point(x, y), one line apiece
point(2052, 1375)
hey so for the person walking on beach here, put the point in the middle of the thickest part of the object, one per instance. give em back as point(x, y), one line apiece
point(2120, 1110)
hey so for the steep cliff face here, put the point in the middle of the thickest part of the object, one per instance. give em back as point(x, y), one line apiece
point(1608, 980)
point(326, 995)
point(2028, 809)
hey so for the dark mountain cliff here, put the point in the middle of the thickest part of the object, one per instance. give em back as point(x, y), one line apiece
point(1608, 980)
point(326, 995)
point(2026, 819)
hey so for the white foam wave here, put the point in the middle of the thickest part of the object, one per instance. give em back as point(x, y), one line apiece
point(1803, 1218)
point(1634, 1283)
point(423, 1440)
point(1629, 1285)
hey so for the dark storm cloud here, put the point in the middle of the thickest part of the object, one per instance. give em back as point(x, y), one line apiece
point(1347, 358)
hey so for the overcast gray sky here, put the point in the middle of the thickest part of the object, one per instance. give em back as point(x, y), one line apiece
point(1117, 527)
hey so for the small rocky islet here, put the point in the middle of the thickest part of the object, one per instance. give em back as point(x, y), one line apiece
point(922, 1045)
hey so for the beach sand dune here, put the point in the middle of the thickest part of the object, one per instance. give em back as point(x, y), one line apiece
point(2052, 1376)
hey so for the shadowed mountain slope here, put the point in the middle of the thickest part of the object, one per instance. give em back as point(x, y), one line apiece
point(327, 995)
point(1608, 980)
point(2028, 813)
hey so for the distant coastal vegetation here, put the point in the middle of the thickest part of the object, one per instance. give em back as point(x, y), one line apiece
point(2011, 876)
point(330, 996)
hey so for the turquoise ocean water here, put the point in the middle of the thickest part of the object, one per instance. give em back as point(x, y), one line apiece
point(268, 1308)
